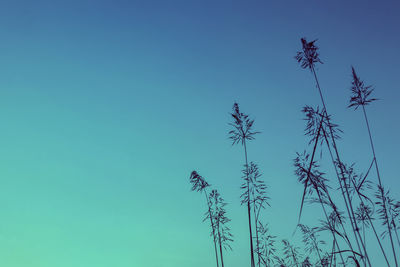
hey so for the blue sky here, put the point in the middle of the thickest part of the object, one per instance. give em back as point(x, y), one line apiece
point(107, 106)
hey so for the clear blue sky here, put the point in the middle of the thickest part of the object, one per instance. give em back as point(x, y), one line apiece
point(107, 106)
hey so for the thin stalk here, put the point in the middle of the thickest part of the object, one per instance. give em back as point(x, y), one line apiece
point(395, 231)
point(316, 248)
point(248, 206)
point(266, 255)
point(212, 226)
point(397, 235)
point(333, 233)
point(316, 187)
point(347, 192)
point(349, 211)
point(380, 184)
point(309, 169)
point(330, 226)
point(363, 228)
point(333, 256)
point(220, 246)
point(255, 222)
point(373, 227)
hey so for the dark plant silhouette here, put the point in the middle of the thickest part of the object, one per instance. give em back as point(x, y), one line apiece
point(360, 92)
point(316, 125)
point(395, 217)
point(359, 210)
point(358, 184)
point(309, 55)
point(318, 185)
point(364, 214)
point(361, 96)
point(242, 132)
point(310, 239)
point(255, 188)
point(266, 245)
point(307, 58)
point(332, 225)
point(291, 253)
point(199, 184)
point(220, 219)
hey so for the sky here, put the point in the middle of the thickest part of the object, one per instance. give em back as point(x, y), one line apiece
point(107, 106)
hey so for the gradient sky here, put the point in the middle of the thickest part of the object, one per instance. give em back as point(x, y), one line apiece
point(107, 106)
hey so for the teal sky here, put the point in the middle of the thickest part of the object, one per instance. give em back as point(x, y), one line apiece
point(107, 106)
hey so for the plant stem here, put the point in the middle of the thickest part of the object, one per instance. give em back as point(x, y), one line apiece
point(248, 206)
point(317, 190)
point(372, 225)
point(341, 187)
point(380, 184)
point(317, 249)
point(220, 246)
point(348, 200)
point(255, 222)
point(397, 235)
point(266, 255)
point(212, 226)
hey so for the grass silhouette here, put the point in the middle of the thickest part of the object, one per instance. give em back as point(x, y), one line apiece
point(350, 209)
point(242, 132)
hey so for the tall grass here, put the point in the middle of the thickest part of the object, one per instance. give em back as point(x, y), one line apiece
point(349, 219)
point(308, 57)
point(255, 188)
point(199, 184)
point(216, 213)
point(221, 220)
point(242, 133)
point(361, 96)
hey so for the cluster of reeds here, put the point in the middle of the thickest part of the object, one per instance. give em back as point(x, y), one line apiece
point(349, 229)
point(353, 205)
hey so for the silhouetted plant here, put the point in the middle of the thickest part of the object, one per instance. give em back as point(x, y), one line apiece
point(309, 54)
point(312, 244)
point(242, 127)
point(357, 185)
point(360, 92)
point(307, 58)
point(242, 132)
point(351, 185)
point(218, 213)
point(317, 122)
point(385, 201)
point(255, 188)
point(318, 185)
point(361, 96)
point(199, 184)
point(291, 253)
point(360, 207)
point(395, 217)
point(266, 245)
